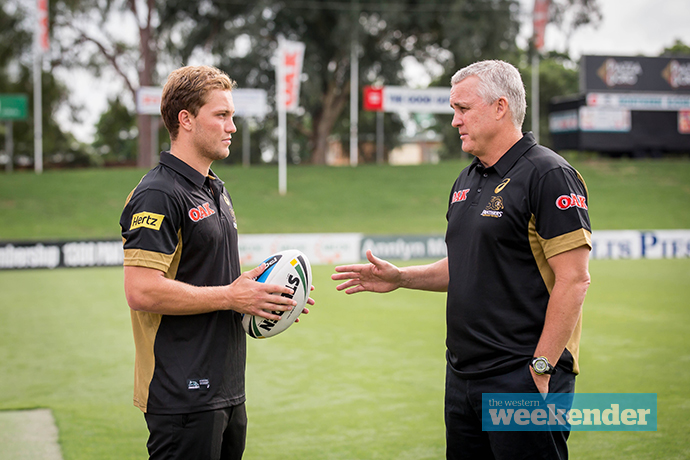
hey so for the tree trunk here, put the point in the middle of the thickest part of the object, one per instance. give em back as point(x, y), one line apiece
point(149, 56)
point(333, 105)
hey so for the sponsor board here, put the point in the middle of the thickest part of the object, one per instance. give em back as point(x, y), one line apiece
point(320, 248)
point(62, 254)
point(404, 247)
point(636, 244)
point(338, 248)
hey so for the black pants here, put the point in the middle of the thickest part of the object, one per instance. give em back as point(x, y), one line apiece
point(463, 412)
point(212, 435)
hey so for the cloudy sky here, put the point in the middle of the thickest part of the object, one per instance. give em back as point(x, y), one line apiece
point(628, 27)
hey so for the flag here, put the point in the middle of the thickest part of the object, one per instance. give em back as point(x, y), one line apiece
point(42, 38)
point(540, 17)
point(288, 73)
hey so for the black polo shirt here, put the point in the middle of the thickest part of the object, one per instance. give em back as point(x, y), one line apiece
point(504, 222)
point(183, 224)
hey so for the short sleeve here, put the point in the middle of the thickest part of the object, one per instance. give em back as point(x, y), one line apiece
point(560, 208)
point(150, 225)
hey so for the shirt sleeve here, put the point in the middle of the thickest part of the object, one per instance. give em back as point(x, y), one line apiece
point(150, 226)
point(560, 207)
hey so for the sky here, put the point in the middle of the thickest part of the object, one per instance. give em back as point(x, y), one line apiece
point(628, 27)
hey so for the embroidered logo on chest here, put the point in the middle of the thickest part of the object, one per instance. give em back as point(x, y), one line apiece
point(201, 212)
point(459, 196)
point(494, 208)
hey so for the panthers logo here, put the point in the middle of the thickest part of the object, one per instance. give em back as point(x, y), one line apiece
point(496, 204)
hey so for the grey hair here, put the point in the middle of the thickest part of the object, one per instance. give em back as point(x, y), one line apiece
point(498, 79)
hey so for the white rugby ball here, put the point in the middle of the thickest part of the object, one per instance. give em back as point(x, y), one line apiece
point(289, 268)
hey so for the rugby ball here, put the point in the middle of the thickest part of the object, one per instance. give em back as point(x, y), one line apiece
point(289, 268)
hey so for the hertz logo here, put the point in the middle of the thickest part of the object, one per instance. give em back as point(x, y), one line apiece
point(147, 220)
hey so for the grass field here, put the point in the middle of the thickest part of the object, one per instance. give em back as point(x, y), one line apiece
point(372, 199)
point(361, 377)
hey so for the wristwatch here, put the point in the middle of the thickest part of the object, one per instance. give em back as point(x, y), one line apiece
point(542, 366)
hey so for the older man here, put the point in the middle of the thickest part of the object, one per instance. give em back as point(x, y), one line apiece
point(518, 240)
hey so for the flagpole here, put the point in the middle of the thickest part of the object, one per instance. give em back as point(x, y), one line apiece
point(540, 17)
point(40, 45)
point(535, 95)
point(354, 87)
point(282, 121)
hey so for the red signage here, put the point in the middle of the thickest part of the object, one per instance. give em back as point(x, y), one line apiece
point(290, 59)
point(540, 17)
point(373, 98)
point(42, 26)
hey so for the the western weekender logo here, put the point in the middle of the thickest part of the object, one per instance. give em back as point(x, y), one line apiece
point(201, 212)
point(619, 73)
point(147, 220)
point(565, 412)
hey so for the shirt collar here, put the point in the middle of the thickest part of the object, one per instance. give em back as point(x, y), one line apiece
point(182, 168)
point(506, 162)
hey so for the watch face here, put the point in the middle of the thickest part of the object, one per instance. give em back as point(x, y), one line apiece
point(540, 366)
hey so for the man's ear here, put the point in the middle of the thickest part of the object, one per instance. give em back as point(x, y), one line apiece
point(185, 120)
point(501, 108)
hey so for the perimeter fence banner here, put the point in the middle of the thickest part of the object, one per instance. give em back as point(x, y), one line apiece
point(334, 248)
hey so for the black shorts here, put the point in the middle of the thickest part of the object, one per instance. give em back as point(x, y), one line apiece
point(463, 413)
point(212, 435)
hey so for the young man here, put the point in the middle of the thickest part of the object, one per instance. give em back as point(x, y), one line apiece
point(516, 274)
point(183, 282)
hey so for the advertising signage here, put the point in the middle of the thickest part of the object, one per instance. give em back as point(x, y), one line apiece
point(635, 74)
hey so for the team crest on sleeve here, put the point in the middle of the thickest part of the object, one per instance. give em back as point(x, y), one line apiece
point(147, 220)
point(564, 202)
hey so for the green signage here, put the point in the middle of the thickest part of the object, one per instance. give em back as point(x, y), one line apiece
point(14, 107)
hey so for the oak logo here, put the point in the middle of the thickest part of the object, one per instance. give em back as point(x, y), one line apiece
point(147, 220)
point(564, 202)
point(459, 196)
point(201, 212)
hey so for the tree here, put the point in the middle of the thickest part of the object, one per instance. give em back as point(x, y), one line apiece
point(89, 35)
point(16, 77)
point(677, 49)
point(116, 134)
point(570, 15)
point(449, 33)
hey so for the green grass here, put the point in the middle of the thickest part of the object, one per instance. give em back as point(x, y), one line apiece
point(370, 199)
point(360, 377)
